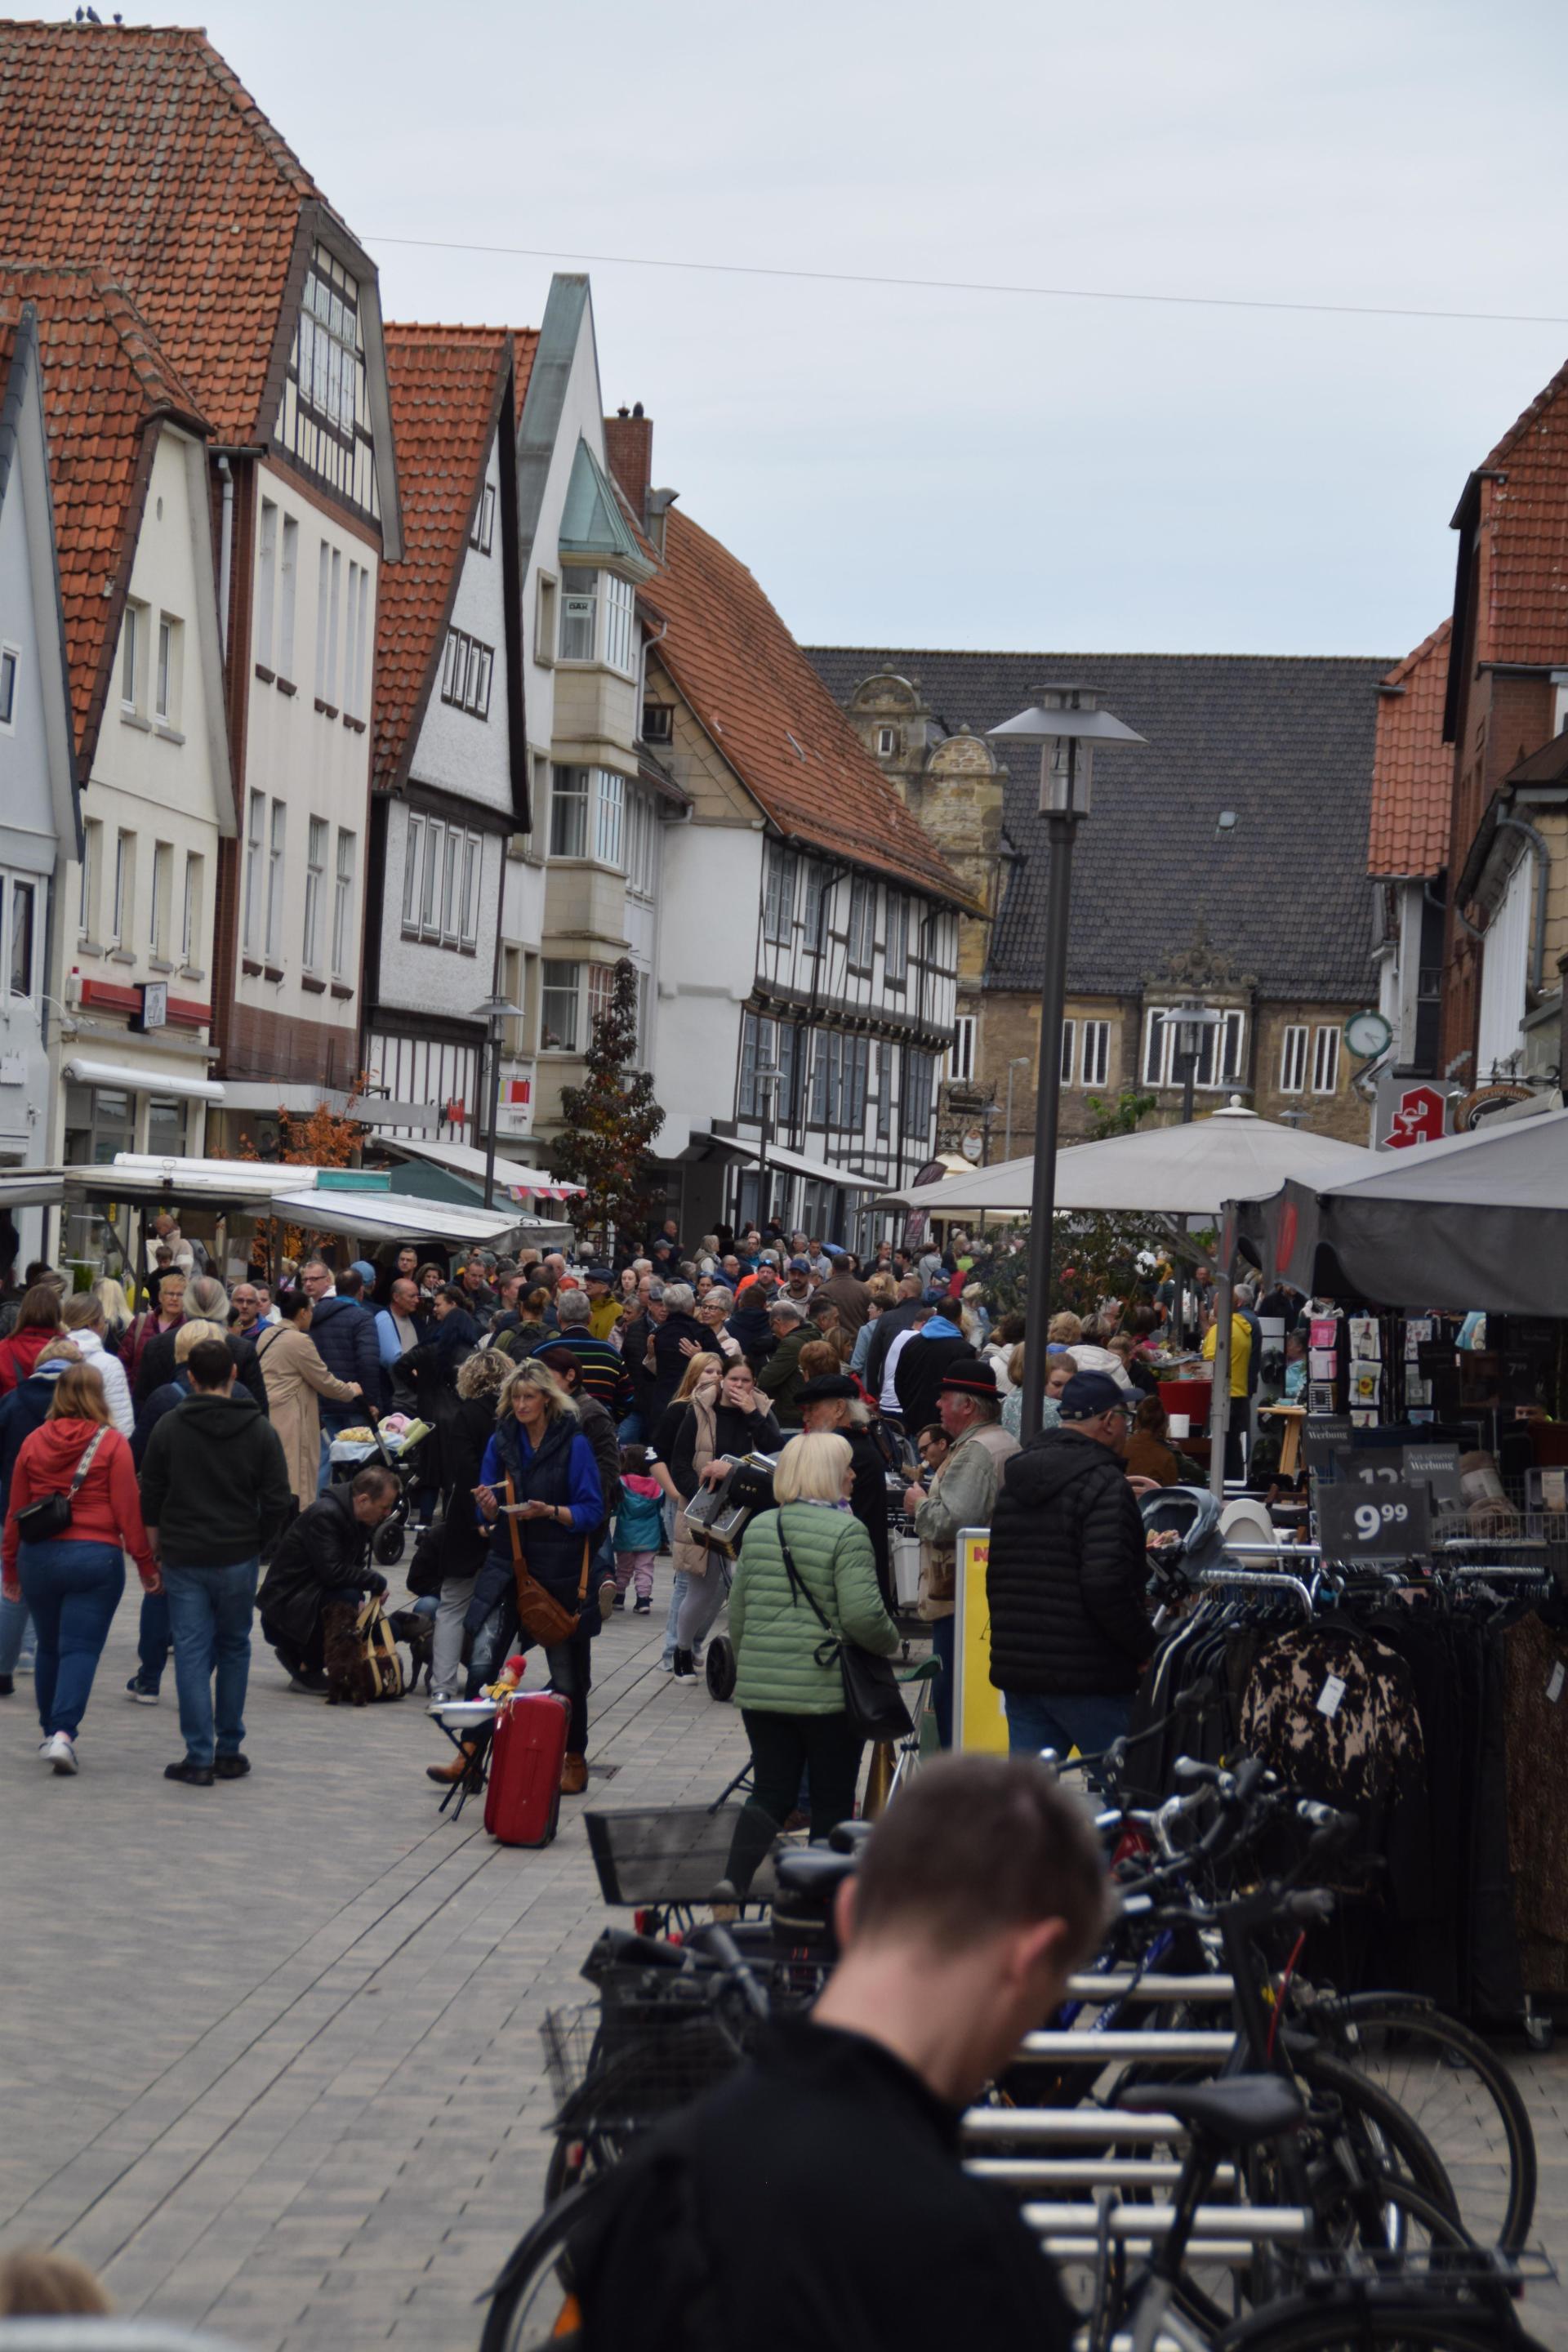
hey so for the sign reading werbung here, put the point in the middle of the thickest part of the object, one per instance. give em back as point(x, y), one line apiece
point(979, 1725)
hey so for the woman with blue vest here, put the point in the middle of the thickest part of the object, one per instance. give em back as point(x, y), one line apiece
point(540, 1452)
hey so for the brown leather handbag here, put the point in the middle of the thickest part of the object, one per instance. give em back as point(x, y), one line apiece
point(541, 1615)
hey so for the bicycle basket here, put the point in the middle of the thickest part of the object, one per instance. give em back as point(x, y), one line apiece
point(621, 2070)
point(677, 1853)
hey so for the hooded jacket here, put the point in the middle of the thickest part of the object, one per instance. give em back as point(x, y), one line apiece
point(1067, 1571)
point(215, 1482)
point(20, 1353)
point(923, 1365)
point(25, 1409)
point(105, 1509)
point(344, 1334)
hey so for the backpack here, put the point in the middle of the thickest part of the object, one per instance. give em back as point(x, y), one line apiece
point(381, 1664)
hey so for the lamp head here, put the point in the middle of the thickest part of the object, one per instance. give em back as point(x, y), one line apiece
point(1067, 722)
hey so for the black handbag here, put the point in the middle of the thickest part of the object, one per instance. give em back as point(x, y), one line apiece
point(873, 1702)
point(50, 1515)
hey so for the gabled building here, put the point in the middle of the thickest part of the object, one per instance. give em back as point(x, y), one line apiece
point(137, 152)
point(40, 820)
point(130, 955)
point(1407, 850)
point(808, 937)
point(1224, 861)
point(450, 759)
point(1504, 714)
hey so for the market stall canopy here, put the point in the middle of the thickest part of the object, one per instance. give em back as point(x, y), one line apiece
point(376, 1215)
point(140, 1176)
point(1177, 1171)
point(462, 1159)
point(791, 1164)
point(1475, 1221)
point(31, 1188)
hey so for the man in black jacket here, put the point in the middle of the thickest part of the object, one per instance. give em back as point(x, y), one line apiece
point(215, 1492)
point(1066, 1579)
point(924, 1363)
point(345, 1336)
point(324, 1561)
point(206, 1300)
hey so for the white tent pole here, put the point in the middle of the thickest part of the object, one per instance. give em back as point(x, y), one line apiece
point(1219, 1409)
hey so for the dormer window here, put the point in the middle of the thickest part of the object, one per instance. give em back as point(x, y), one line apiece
point(886, 743)
point(329, 344)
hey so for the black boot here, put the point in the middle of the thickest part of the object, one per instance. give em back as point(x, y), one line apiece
point(685, 1666)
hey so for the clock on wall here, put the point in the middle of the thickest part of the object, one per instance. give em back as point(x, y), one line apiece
point(1368, 1034)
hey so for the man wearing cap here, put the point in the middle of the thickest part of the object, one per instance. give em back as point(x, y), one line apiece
point(779, 1377)
point(604, 1306)
point(832, 1402)
point(962, 1494)
point(1066, 1577)
point(925, 1362)
point(799, 1283)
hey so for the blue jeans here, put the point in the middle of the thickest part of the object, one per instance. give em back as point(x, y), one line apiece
point(152, 1640)
point(14, 1624)
point(73, 1591)
point(210, 1610)
point(1065, 1721)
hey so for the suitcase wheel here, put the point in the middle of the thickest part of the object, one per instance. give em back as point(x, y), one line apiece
point(720, 1668)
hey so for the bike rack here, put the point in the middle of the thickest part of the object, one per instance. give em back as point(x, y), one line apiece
point(1083, 2045)
point(1121, 1984)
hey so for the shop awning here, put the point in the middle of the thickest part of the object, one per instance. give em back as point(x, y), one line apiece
point(137, 1176)
point(374, 1110)
point(397, 1213)
point(463, 1160)
point(790, 1163)
point(31, 1188)
point(136, 1080)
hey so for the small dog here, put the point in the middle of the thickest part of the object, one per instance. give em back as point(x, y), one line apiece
point(342, 1655)
point(411, 1625)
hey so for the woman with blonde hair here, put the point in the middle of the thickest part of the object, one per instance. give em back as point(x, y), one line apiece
point(296, 1380)
point(539, 1481)
point(725, 1415)
point(72, 1576)
point(789, 1685)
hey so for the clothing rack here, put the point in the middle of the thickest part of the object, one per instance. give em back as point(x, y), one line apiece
point(1256, 1579)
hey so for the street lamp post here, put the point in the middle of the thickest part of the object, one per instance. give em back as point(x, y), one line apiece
point(1192, 1022)
point(492, 1012)
point(1067, 722)
point(1018, 1062)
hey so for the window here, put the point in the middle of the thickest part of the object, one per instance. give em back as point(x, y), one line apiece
point(1326, 1062)
point(124, 887)
point(330, 692)
point(601, 993)
point(329, 348)
point(838, 1080)
point(450, 883)
point(642, 843)
point(886, 743)
point(469, 929)
point(815, 906)
point(466, 676)
point(558, 1007)
point(412, 850)
point(657, 722)
point(544, 621)
point(778, 893)
point(1070, 1050)
point(569, 813)
point(23, 923)
point(620, 625)
point(254, 839)
point(288, 575)
point(607, 832)
point(266, 583)
point(7, 686)
point(166, 697)
point(430, 891)
point(961, 1053)
point(579, 613)
point(163, 890)
point(275, 882)
point(323, 602)
point(862, 922)
point(483, 535)
point(130, 656)
point(343, 905)
point(1094, 1066)
point(350, 616)
point(91, 867)
point(1293, 1060)
point(918, 1072)
point(353, 683)
point(315, 889)
point(896, 956)
point(766, 1046)
point(1219, 1062)
point(191, 912)
point(886, 1059)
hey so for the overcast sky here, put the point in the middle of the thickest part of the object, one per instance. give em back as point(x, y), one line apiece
point(915, 468)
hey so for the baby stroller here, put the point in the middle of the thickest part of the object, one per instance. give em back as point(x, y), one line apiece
point(403, 1461)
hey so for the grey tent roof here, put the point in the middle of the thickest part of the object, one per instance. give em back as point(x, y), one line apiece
point(1286, 743)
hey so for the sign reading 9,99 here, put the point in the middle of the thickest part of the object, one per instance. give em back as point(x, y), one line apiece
point(1374, 1522)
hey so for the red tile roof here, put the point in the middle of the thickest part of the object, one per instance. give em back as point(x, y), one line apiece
point(106, 385)
point(1413, 768)
point(446, 385)
point(525, 342)
point(749, 684)
point(136, 148)
point(1523, 613)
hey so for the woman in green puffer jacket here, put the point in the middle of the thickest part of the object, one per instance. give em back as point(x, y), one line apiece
point(791, 1705)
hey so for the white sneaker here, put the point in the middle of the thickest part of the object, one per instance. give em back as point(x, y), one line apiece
point(61, 1752)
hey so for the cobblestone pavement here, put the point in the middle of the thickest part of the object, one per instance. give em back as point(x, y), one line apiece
point(270, 2060)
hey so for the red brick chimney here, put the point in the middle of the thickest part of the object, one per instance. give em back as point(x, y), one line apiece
point(628, 443)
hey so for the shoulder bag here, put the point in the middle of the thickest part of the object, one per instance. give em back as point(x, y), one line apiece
point(50, 1515)
point(873, 1702)
point(541, 1616)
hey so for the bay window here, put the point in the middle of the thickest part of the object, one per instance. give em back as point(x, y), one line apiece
point(579, 613)
point(558, 1006)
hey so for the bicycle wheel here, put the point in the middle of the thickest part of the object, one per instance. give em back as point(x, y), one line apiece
point(1349, 2323)
point(532, 2304)
point(1461, 2094)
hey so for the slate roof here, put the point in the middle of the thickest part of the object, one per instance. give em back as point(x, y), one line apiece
point(1413, 768)
point(135, 149)
point(1286, 743)
point(446, 385)
point(1522, 614)
point(757, 693)
point(106, 384)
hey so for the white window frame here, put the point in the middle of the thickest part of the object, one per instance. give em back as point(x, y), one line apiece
point(961, 1053)
point(318, 834)
point(91, 876)
point(131, 663)
point(191, 910)
point(276, 848)
point(609, 807)
point(1069, 1051)
point(163, 672)
point(571, 810)
point(1326, 1060)
point(481, 538)
point(815, 907)
point(1094, 1058)
point(778, 894)
point(862, 936)
point(266, 583)
point(560, 989)
point(896, 955)
point(25, 887)
point(886, 743)
point(162, 889)
point(466, 674)
point(618, 598)
point(287, 584)
point(413, 854)
point(1224, 1047)
point(123, 905)
point(323, 601)
point(579, 603)
point(473, 861)
point(1293, 1041)
point(343, 904)
point(10, 673)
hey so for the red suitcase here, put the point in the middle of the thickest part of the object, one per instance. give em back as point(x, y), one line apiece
point(522, 1801)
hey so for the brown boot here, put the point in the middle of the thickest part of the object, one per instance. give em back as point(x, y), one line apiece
point(455, 1769)
point(573, 1776)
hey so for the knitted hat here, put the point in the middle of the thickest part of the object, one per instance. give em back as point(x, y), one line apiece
point(976, 1380)
point(1089, 1394)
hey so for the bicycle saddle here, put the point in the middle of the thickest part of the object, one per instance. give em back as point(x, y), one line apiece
point(1239, 2112)
point(849, 1836)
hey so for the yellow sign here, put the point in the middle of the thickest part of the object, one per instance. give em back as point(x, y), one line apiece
point(978, 1722)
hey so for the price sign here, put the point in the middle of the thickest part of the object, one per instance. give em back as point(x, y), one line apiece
point(1374, 1522)
point(1437, 1466)
point(1371, 1466)
point(1322, 1435)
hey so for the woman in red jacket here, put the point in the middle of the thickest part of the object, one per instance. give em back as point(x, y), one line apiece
point(37, 1322)
point(72, 1582)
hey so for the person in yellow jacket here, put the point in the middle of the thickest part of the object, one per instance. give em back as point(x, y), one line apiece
point(1240, 1349)
point(604, 1308)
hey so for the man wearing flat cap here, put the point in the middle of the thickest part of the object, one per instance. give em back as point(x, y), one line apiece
point(1066, 1579)
point(962, 1494)
point(834, 1401)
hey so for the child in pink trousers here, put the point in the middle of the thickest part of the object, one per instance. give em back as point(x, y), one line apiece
point(639, 1529)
